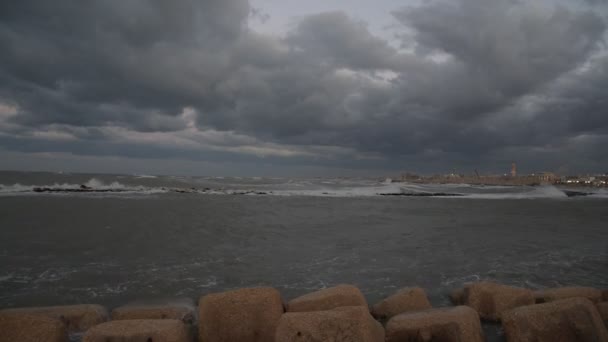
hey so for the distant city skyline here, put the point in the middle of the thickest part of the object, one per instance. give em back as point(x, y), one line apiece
point(316, 88)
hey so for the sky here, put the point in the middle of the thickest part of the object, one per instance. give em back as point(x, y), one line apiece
point(304, 88)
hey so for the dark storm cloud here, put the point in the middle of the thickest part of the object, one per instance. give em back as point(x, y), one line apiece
point(472, 83)
point(503, 49)
point(336, 39)
point(66, 58)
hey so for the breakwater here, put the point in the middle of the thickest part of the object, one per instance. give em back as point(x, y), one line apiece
point(339, 314)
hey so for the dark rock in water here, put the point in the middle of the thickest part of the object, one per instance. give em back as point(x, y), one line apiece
point(87, 189)
point(249, 192)
point(84, 187)
point(571, 193)
point(421, 194)
point(457, 296)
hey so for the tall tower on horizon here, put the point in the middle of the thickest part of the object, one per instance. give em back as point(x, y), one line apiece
point(513, 170)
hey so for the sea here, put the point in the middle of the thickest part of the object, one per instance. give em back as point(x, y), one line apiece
point(111, 239)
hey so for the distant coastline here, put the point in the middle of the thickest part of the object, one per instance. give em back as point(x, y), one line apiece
point(544, 178)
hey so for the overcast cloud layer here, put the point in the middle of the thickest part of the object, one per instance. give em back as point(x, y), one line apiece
point(465, 84)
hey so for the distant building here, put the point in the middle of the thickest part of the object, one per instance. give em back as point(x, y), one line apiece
point(513, 170)
point(408, 176)
point(547, 177)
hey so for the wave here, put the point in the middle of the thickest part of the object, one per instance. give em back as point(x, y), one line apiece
point(144, 176)
point(312, 189)
point(548, 191)
point(97, 184)
point(601, 193)
point(93, 185)
point(365, 191)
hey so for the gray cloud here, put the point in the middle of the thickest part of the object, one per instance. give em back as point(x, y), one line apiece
point(474, 84)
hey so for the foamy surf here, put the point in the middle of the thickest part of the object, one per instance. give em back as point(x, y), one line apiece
point(543, 192)
point(339, 188)
point(92, 186)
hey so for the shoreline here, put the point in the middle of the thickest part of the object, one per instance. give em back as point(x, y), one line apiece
point(492, 181)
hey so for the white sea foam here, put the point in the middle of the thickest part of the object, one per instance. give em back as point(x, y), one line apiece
point(93, 183)
point(600, 193)
point(99, 185)
point(15, 188)
point(547, 191)
point(144, 176)
point(366, 191)
point(305, 187)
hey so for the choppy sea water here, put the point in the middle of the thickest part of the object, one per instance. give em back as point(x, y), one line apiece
point(182, 236)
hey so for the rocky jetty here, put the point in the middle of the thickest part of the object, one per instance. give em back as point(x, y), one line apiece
point(421, 194)
point(338, 314)
point(192, 190)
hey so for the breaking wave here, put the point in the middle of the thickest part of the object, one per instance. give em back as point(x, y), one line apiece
point(300, 187)
point(97, 184)
point(548, 191)
point(93, 185)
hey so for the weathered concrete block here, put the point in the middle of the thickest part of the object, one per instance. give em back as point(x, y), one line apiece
point(455, 324)
point(491, 300)
point(457, 296)
point(407, 299)
point(574, 319)
point(24, 327)
point(245, 315)
point(602, 308)
point(344, 324)
point(182, 309)
point(549, 295)
point(327, 299)
point(139, 330)
point(75, 317)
